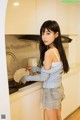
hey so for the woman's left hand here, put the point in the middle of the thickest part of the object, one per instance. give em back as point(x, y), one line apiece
point(22, 80)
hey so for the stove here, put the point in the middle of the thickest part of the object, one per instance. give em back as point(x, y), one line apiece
point(14, 86)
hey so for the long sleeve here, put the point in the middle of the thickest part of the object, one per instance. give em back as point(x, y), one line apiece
point(40, 77)
point(44, 75)
point(35, 69)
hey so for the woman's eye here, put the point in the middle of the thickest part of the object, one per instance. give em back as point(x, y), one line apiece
point(48, 33)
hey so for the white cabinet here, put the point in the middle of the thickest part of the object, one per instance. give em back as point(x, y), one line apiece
point(79, 88)
point(20, 19)
point(45, 10)
point(68, 18)
point(28, 17)
point(71, 89)
point(27, 106)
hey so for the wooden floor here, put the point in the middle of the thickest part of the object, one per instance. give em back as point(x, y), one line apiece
point(75, 115)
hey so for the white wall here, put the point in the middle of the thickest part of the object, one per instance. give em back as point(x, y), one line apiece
point(4, 93)
point(74, 54)
point(78, 48)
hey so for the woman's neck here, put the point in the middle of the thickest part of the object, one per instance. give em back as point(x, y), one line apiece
point(51, 46)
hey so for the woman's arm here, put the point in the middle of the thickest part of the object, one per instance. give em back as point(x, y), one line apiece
point(35, 69)
point(45, 71)
point(39, 77)
point(43, 76)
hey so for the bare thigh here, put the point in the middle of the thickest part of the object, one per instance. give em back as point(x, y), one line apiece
point(54, 114)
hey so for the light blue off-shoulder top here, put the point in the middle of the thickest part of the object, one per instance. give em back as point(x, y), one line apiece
point(51, 78)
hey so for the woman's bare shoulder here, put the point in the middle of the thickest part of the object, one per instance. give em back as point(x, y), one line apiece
point(48, 54)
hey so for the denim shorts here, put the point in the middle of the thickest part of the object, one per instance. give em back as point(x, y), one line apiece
point(52, 97)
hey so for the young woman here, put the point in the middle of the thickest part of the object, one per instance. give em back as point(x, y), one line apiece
point(53, 63)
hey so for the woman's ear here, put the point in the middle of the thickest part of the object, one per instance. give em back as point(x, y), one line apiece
point(56, 34)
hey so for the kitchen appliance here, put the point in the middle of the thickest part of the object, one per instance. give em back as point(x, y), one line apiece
point(32, 61)
point(15, 86)
point(64, 38)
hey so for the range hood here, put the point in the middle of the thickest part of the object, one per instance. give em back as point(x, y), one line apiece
point(64, 38)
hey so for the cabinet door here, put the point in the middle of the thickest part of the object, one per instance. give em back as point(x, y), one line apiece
point(45, 10)
point(70, 103)
point(16, 109)
point(28, 107)
point(79, 88)
point(31, 106)
point(67, 17)
point(20, 19)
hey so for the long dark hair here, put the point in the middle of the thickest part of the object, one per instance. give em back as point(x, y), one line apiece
point(53, 26)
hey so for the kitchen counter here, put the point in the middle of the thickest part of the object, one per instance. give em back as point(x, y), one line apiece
point(15, 87)
point(73, 69)
point(25, 90)
point(23, 102)
point(71, 84)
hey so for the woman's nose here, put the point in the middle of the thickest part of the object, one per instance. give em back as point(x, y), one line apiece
point(44, 36)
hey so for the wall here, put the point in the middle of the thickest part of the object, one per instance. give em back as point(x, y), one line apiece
point(4, 93)
point(74, 55)
point(78, 48)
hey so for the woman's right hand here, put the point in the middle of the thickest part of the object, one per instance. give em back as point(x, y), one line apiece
point(29, 69)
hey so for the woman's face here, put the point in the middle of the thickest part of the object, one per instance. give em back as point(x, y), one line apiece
point(48, 37)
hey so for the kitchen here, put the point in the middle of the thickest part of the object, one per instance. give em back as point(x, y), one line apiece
point(68, 11)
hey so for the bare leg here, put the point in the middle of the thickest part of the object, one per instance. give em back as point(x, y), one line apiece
point(54, 114)
point(59, 114)
point(51, 114)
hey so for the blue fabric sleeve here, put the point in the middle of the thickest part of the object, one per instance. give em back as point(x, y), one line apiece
point(44, 75)
point(40, 77)
point(35, 69)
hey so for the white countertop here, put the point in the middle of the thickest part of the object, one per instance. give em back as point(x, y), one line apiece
point(73, 69)
point(25, 90)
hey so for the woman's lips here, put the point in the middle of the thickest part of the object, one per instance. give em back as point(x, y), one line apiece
point(45, 41)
